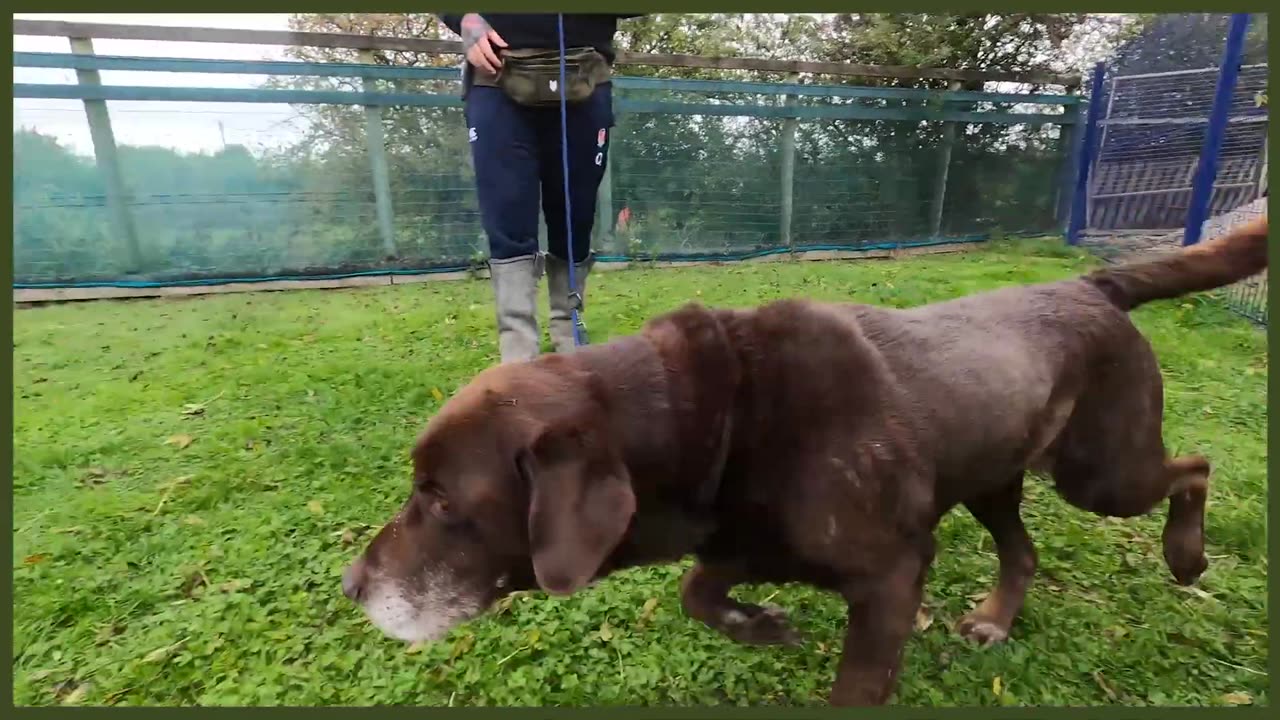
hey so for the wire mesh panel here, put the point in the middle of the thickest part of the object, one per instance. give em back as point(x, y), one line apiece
point(698, 169)
point(1249, 296)
point(1152, 134)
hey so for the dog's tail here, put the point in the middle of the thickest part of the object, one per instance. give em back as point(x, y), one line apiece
point(1215, 263)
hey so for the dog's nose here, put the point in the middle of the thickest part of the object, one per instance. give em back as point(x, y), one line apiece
point(353, 580)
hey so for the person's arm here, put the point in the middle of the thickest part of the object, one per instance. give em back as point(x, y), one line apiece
point(453, 22)
point(478, 40)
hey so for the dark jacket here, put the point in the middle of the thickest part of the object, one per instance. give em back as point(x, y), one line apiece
point(541, 31)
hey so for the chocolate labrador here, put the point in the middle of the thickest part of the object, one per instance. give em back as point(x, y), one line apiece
point(800, 442)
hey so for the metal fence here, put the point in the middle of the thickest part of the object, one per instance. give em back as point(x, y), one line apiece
point(1152, 134)
point(1172, 156)
point(379, 180)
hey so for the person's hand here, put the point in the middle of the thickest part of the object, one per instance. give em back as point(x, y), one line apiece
point(479, 41)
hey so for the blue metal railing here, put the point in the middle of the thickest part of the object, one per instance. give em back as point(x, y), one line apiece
point(929, 109)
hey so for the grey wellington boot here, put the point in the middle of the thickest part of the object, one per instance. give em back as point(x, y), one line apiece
point(561, 322)
point(515, 292)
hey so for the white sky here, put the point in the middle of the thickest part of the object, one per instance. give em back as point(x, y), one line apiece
point(184, 126)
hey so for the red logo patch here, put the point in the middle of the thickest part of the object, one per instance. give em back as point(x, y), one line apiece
point(600, 137)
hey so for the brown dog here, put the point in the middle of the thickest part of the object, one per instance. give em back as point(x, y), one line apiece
point(800, 442)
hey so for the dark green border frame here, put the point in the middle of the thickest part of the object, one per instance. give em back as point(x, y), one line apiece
point(6, 365)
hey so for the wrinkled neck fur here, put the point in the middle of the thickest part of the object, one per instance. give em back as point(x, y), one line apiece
point(633, 385)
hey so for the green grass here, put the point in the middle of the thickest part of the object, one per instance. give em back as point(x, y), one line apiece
point(191, 476)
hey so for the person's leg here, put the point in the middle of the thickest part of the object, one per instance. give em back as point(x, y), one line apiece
point(504, 149)
point(590, 125)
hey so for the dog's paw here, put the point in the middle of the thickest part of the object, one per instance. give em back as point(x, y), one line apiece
point(1184, 554)
point(756, 625)
point(982, 631)
point(1187, 567)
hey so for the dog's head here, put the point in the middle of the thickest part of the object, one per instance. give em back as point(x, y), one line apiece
point(517, 484)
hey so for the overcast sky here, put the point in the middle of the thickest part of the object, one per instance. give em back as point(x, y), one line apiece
point(184, 126)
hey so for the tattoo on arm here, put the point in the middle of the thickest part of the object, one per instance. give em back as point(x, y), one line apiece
point(474, 29)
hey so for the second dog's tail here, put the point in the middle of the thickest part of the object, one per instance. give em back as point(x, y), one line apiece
point(1215, 263)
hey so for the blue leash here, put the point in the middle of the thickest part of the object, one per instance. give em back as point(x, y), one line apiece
point(575, 297)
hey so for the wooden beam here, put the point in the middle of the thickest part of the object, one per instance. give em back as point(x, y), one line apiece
point(450, 74)
point(352, 41)
point(787, 156)
point(902, 72)
point(376, 144)
point(450, 47)
point(108, 160)
point(942, 172)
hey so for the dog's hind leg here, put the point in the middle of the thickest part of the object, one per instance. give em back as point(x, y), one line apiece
point(998, 512)
point(1183, 536)
point(1136, 487)
point(704, 594)
point(1111, 459)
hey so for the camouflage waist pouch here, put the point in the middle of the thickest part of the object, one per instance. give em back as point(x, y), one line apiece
point(532, 77)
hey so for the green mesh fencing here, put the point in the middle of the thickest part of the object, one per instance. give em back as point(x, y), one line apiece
point(685, 181)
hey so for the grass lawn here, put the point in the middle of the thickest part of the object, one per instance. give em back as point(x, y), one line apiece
point(191, 476)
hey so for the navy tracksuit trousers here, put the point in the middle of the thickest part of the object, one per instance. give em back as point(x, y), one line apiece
point(518, 165)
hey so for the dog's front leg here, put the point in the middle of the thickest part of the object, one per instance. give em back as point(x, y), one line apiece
point(882, 612)
point(704, 594)
point(998, 512)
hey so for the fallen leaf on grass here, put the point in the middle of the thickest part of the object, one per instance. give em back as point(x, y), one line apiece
point(435, 393)
point(461, 646)
point(316, 507)
point(997, 687)
point(646, 612)
point(35, 559)
point(168, 490)
point(348, 537)
point(1106, 687)
point(606, 632)
point(192, 520)
point(107, 632)
point(235, 585)
point(160, 654)
point(114, 696)
point(923, 619)
point(1197, 592)
point(1238, 698)
point(414, 648)
point(193, 409)
point(193, 587)
point(180, 441)
point(76, 696)
point(504, 604)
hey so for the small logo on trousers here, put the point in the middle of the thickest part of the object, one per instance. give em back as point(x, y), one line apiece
point(601, 137)
point(471, 134)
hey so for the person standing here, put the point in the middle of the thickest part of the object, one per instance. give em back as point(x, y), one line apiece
point(512, 106)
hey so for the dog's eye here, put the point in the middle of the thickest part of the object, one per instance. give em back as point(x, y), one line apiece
point(432, 495)
point(438, 506)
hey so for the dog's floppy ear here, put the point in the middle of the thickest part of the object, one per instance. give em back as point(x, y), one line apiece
point(580, 505)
